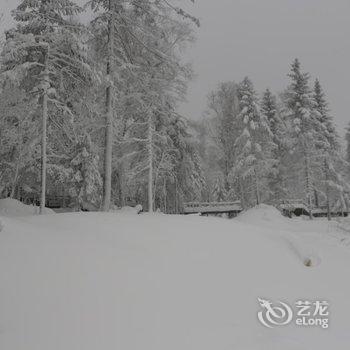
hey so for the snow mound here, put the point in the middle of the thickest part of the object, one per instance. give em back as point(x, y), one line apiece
point(261, 213)
point(12, 207)
point(128, 210)
point(344, 224)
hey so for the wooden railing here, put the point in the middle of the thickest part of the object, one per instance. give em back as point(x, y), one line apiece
point(212, 207)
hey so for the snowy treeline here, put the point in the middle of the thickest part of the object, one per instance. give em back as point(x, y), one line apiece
point(89, 111)
point(272, 148)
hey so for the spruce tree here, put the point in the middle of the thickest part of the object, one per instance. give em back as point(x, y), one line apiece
point(269, 110)
point(219, 192)
point(327, 135)
point(347, 139)
point(86, 178)
point(44, 49)
point(252, 147)
point(223, 108)
point(300, 106)
point(332, 185)
point(276, 182)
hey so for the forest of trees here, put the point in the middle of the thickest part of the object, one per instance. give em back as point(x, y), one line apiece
point(274, 148)
point(90, 112)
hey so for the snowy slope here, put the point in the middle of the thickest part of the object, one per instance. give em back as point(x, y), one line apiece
point(97, 281)
point(13, 207)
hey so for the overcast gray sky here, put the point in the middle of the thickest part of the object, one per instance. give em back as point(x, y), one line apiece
point(260, 38)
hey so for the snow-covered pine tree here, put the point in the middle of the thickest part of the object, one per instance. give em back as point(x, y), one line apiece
point(253, 146)
point(219, 191)
point(276, 181)
point(44, 49)
point(332, 186)
point(19, 139)
point(223, 110)
point(328, 136)
point(299, 113)
point(268, 108)
point(347, 140)
point(86, 178)
point(188, 168)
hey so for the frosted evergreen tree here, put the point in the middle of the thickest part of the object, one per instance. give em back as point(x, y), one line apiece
point(219, 192)
point(347, 159)
point(252, 147)
point(19, 139)
point(86, 178)
point(269, 110)
point(223, 109)
point(276, 182)
point(300, 107)
point(327, 135)
point(188, 167)
point(44, 49)
point(329, 154)
point(347, 139)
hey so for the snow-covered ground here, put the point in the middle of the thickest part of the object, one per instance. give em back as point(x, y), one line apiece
point(95, 281)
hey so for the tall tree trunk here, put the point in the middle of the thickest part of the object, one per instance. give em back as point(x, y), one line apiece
point(176, 197)
point(317, 202)
point(150, 164)
point(109, 112)
point(165, 196)
point(308, 184)
point(242, 193)
point(327, 190)
point(257, 189)
point(44, 135)
point(120, 185)
point(14, 182)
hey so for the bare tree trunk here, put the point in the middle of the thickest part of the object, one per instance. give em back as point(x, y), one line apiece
point(109, 112)
point(44, 135)
point(150, 164)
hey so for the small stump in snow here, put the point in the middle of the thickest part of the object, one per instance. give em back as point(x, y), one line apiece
point(308, 262)
point(312, 261)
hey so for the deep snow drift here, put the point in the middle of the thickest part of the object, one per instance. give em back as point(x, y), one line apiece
point(13, 207)
point(97, 281)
